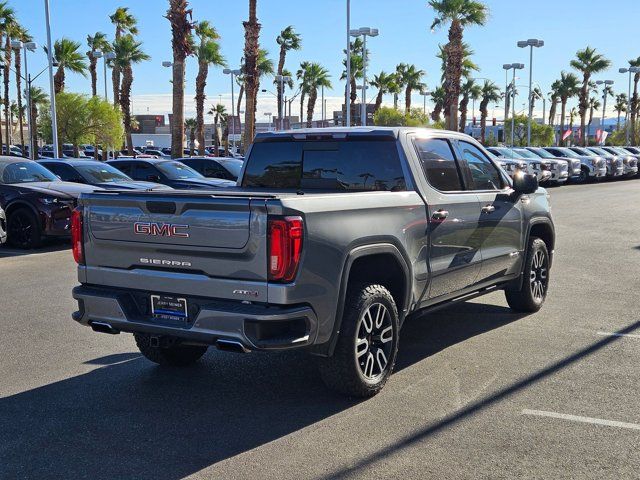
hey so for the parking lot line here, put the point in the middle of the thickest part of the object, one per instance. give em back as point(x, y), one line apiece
point(612, 334)
point(578, 418)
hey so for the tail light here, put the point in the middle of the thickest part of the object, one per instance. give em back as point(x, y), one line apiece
point(285, 248)
point(77, 237)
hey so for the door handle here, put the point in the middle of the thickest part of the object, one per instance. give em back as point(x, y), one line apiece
point(488, 209)
point(440, 215)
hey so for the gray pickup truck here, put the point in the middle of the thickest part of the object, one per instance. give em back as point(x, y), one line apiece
point(330, 241)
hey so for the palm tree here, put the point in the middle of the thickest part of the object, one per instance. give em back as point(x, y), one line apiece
point(38, 98)
point(251, 80)
point(459, 14)
point(182, 46)
point(620, 106)
point(125, 23)
point(316, 76)
point(490, 93)
point(288, 40)
point(67, 54)
point(568, 87)
point(190, 125)
point(572, 116)
point(437, 97)
point(301, 75)
point(587, 62)
point(19, 33)
point(218, 111)
point(635, 101)
point(128, 52)
point(265, 67)
point(8, 23)
point(208, 53)
point(554, 96)
point(468, 65)
point(470, 91)
point(357, 68)
point(385, 83)
point(411, 79)
point(536, 94)
point(594, 104)
point(96, 42)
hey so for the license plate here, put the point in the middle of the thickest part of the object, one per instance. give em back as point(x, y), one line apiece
point(168, 308)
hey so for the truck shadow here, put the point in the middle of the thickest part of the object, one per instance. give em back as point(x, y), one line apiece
point(131, 419)
point(49, 246)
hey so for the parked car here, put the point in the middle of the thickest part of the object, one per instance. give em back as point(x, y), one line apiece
point(574, 165)
point(329, 254)
point(212, 167)
point(37, 204)
point(629, 160)
point(592, 167)
point(615, 167)
point(558, 168)
point(158, 153)
point(534, 166)
point(3, 226)
point(168, 172)
point(511, 167)
point(632, 150)
point(100, 174)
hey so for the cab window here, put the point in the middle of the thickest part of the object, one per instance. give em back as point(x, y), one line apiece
point(484, 174)
point(439, 164)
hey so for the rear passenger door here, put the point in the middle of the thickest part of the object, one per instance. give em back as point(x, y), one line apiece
point(500, 213)
point(454, 248)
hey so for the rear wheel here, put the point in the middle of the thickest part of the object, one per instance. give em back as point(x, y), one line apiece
point(174, 355)
point(584, 176)
point(23, 229)
point(367, 345)
point(533, 292)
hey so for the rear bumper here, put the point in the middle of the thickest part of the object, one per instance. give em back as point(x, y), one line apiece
point(256, 327)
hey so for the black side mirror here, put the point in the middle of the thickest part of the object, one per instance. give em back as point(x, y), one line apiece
point(524, 183)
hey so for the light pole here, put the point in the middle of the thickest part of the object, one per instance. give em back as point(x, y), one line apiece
point(628, 127)
point(364, 32)
point(348, 86)
point(232, 74)
point(531, 43)
point(606, 83)
point(31, 46)
point(282, 79)
point(54, 119)
point(514, 67)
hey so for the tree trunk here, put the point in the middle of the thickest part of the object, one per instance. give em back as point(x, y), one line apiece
point(354, 97)
point(34, 131)
point(94, 75)
point(313, 96)
point(280, 85)
point(201, 83)
point(125, 105)
point(464, 105)
point(115, 82)
point(216, 142)
point(563, 112)
point(19, 98)
point(302, 95)
point(251, 50)
point(407, 101)
point(395, 101)
point(634, 108)
point(453, 72)
point(378, 100)
point(583, 107)
point(618, 125)
point(7, 64)
point(344, 117)
point(240, 94)
point(483, 120)
point(58, 80)
point(177, 120)
point(437, 110)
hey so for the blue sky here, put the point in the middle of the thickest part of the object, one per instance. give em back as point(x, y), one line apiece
point(566, 26)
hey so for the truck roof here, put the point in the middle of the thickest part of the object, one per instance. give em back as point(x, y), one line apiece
point(338, 132)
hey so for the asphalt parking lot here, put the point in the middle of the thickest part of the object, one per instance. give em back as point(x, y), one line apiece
point(479, 392)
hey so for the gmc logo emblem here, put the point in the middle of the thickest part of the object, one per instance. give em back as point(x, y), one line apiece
point(160, 229)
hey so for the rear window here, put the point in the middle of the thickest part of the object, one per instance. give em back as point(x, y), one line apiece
point(350, 165)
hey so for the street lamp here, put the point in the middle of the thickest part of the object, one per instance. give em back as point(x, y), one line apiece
point(233, 73)
point(514, 67)
point(424, 94)
point(30, 46)
point(282, 79)
point(629, 70)
point(606, 83)
point(531, 43)
point(364, 32)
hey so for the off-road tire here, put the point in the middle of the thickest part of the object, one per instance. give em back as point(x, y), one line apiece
point(525, 299)
point(175, 355)
point(342, 371)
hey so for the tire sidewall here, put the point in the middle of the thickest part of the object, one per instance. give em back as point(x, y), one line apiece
point(35, 231)
point(536, 245)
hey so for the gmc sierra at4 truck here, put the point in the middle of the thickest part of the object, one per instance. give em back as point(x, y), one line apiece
point(331, 239)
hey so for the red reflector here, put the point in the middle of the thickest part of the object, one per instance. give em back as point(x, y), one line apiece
point(77, 238)
point(285, 248)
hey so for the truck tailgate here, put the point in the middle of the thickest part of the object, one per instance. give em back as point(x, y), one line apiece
point(192, 243)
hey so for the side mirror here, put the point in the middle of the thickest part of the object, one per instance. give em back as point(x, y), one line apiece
point(524, 183)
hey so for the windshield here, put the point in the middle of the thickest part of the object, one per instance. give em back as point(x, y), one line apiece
point(101, 173)
point(177, 170)
point(509, 152)
point(523, 152)
point(232, 166)
point(25, 172)
point(600, 151)
point(619, 150)
point(542, 153)
point(573, 154)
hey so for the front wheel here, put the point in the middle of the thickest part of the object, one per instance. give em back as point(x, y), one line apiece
point(175, 355)
point(23, 229)
point(584, 176)
point(367, 345)
point(533, 292)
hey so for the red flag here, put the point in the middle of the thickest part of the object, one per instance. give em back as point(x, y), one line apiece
point(566, 134)
point(598, 135)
